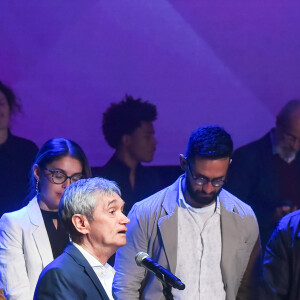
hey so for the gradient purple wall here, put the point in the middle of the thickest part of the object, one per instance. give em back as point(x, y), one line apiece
point(201, 62)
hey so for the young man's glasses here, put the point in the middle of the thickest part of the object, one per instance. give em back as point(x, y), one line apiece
point(59, 177)
point(202, 180)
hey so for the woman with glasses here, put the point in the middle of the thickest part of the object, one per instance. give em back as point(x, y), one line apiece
point(32, 237)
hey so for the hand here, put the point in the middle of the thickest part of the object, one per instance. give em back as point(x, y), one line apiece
point(283, 210)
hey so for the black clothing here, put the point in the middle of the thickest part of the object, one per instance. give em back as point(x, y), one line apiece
point(264, 181)
point(282, 260)
point(58, 237)
point(147, 181)
point(16, 158)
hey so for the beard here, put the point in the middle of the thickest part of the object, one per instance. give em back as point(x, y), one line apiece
point(202, 197)
point(286, 153)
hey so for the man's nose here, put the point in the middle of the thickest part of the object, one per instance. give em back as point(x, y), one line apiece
point(125, 220)
point(208, 188)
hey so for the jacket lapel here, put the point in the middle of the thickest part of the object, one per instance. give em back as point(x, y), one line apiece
point(39, 232)
point(233, 245)
point(168, 225)
point(79, 258)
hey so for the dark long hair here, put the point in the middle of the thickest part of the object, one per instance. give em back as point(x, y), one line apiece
point(56, 149)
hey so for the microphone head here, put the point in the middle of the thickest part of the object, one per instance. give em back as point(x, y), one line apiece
point(140, 257)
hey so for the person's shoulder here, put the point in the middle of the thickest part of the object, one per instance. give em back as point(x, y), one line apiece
point(15, 223)
point(154, 203)
point(64, 264)
point(255, 146)
point(113, 169)
point(24, 142)
point(15, 216)
point(151, 202)
point(291, 220)
point(231, 202)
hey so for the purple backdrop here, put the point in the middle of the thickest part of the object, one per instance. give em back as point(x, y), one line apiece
point(230, 63)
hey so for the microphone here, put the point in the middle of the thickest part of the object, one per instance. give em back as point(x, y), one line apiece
point(142, 259)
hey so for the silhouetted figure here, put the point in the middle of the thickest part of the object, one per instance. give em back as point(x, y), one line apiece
point(282, 260)
point(128, 128)
point(16, 156)
point(266, 172)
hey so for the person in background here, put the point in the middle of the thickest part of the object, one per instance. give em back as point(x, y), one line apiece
point(282, 260)
point(92, 213)
point(200, 232)
point(32, 237)
point(266, 173)
point(128, 128)
point(16, 155)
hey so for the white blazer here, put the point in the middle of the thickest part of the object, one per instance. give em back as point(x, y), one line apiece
point(24, 251)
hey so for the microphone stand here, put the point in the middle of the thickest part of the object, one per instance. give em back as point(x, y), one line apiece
point(167, 291)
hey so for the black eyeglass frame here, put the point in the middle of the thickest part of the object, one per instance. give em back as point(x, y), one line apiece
point(202, 180)
point(66, 177)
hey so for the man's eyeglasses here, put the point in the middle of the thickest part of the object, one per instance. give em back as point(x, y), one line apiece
point(202, 180)
point(59, 177)
point(289, 136)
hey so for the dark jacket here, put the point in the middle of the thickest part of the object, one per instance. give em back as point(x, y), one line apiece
point(282, 260)
point(260, 178)
point(69, 276)
point(147, 181)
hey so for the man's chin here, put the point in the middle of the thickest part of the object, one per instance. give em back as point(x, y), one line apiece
point(205, 200)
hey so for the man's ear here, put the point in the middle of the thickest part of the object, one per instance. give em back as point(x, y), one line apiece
point(183, 162)
point(36, 172)
point(81, 224)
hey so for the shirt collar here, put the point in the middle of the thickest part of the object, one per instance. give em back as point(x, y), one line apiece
point(94, 262)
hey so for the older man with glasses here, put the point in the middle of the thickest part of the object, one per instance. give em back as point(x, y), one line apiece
point(266, 173)
point(195, 229)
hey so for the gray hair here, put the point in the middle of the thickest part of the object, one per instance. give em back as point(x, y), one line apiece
point(80, 198)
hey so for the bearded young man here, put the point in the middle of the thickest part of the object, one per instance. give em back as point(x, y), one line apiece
point(201, 233)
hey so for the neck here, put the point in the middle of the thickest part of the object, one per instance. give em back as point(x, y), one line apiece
point(100, 253)
point(3, 135)
point(45, 207)
point(127, 159)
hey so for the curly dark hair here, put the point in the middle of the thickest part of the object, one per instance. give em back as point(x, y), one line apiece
point(11, 98)
point(209, 142)
point(125, 117)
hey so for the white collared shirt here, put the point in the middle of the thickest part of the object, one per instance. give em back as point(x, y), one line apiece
point(199, 251)
point(104, 273)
